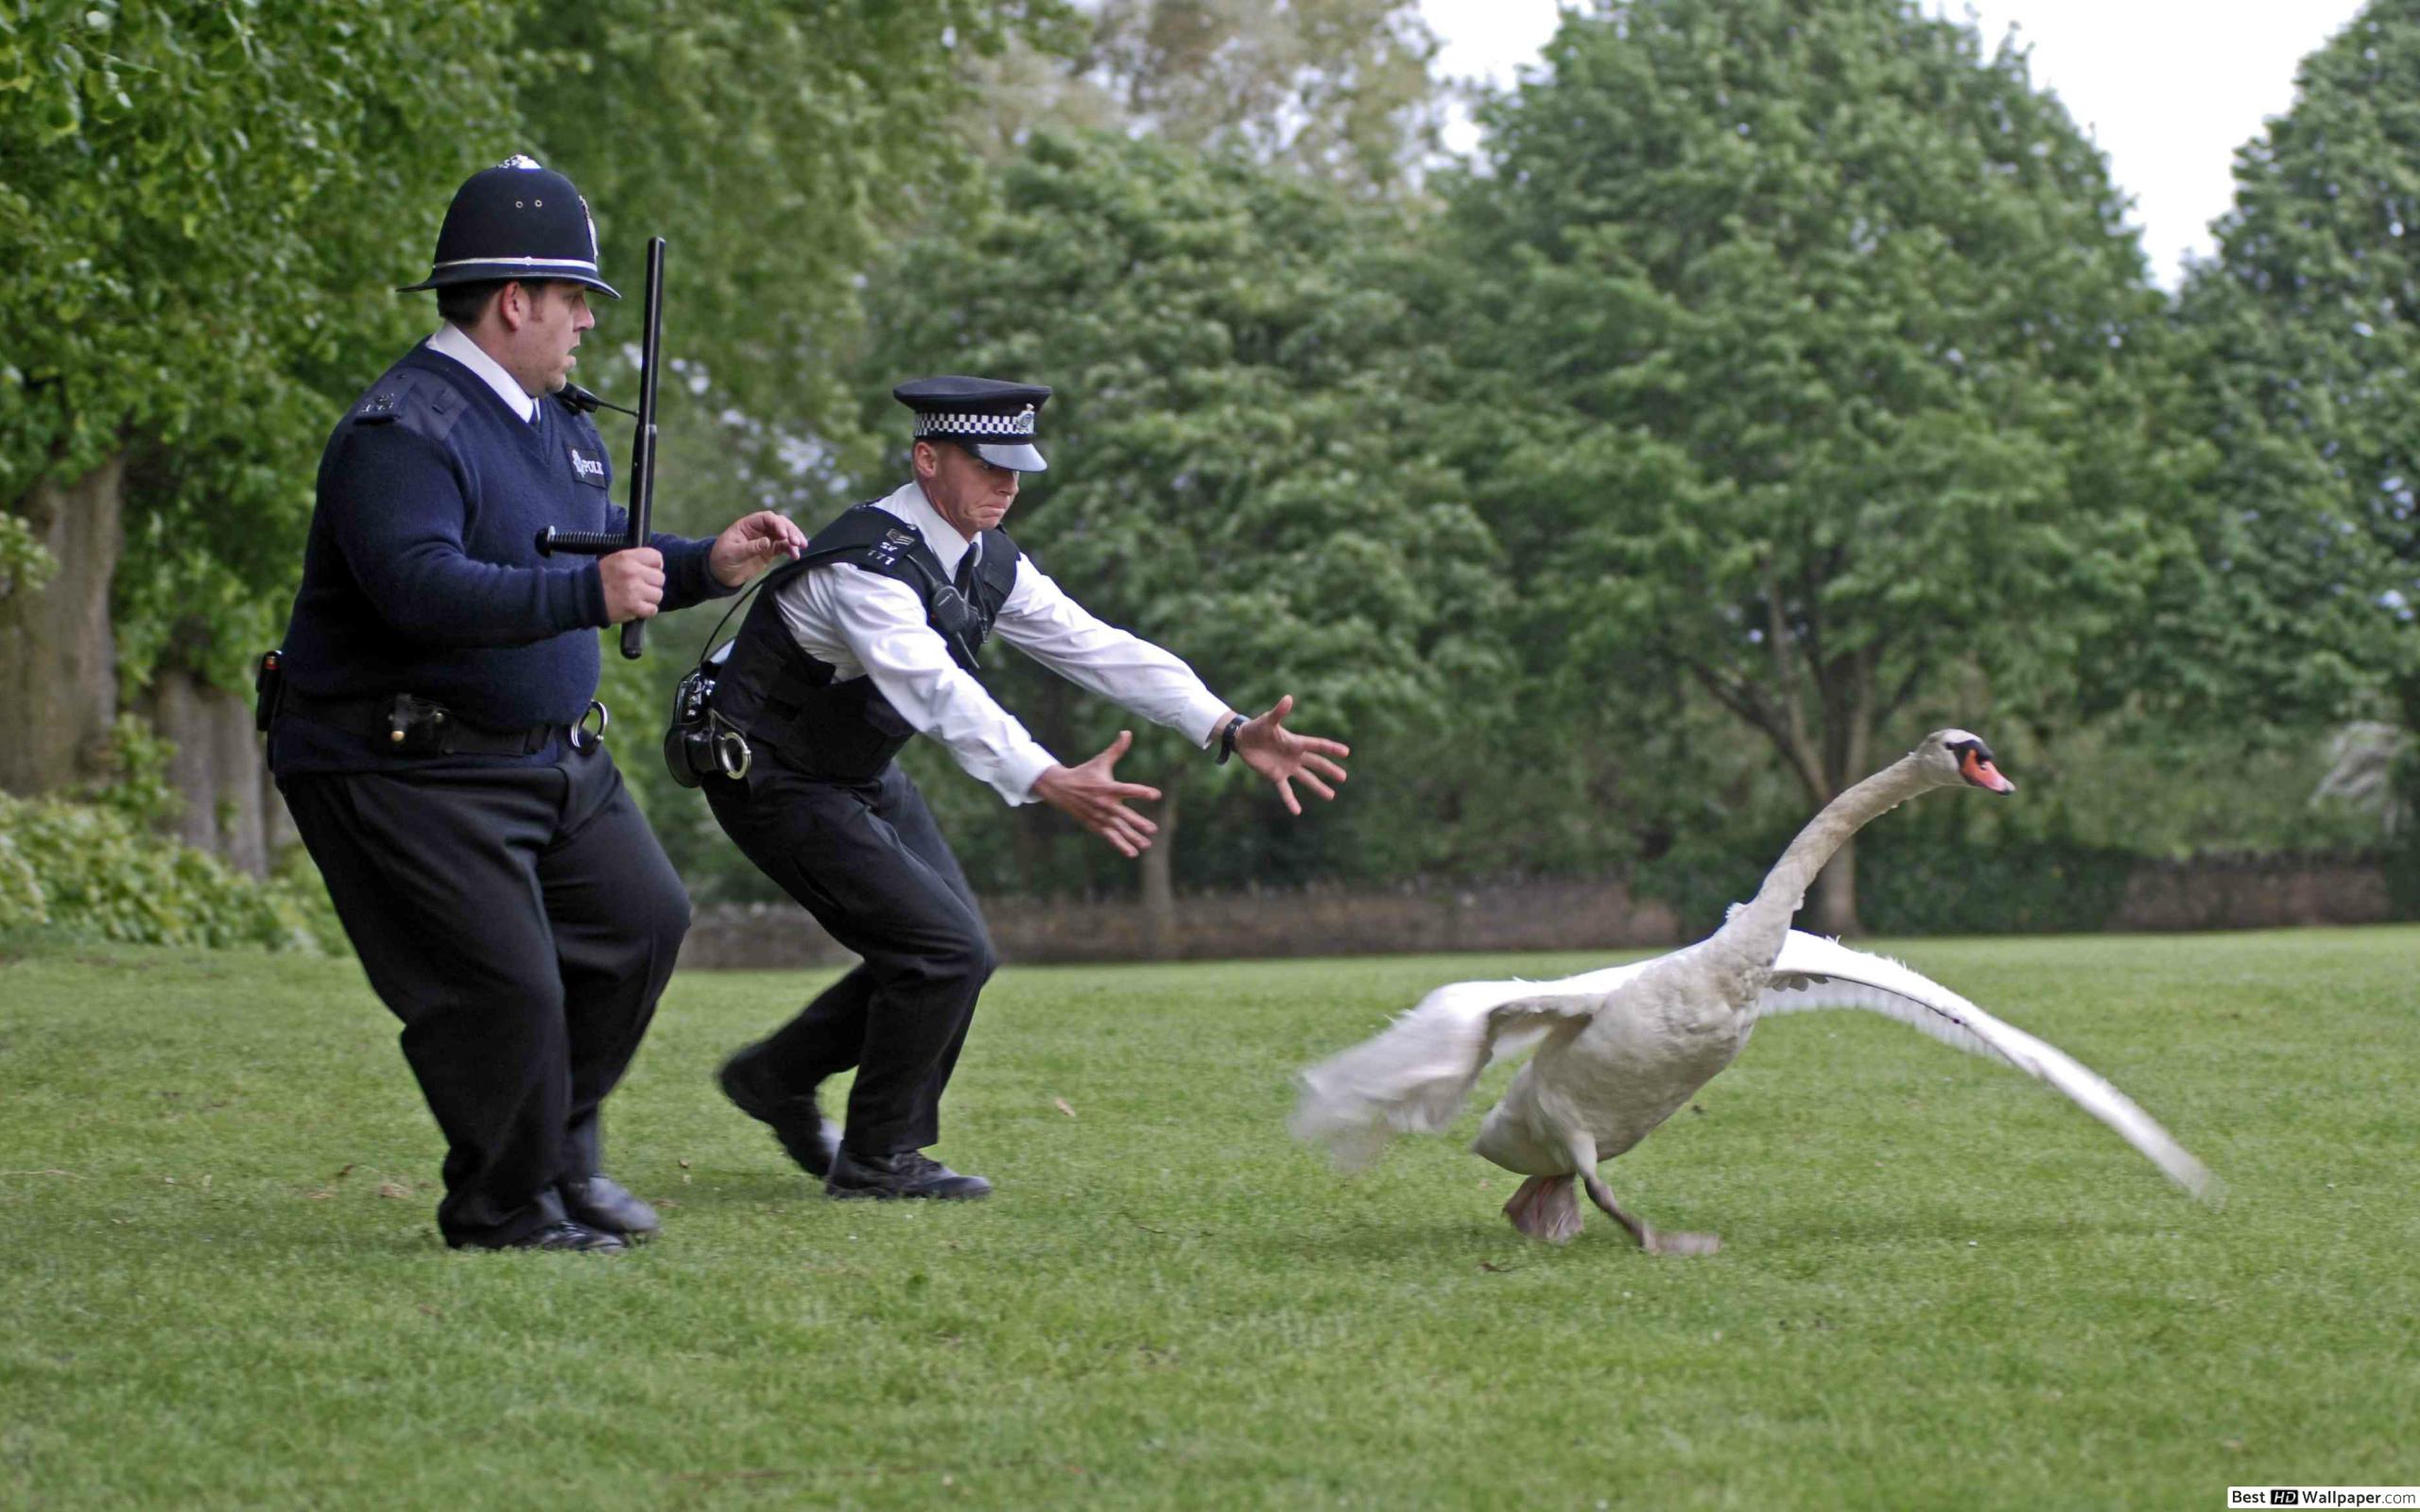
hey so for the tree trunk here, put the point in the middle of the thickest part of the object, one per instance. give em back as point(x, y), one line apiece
point(231, 809)
point(1162, 933)
point(1832, 901)
point(1846, 689)
point(58, 659)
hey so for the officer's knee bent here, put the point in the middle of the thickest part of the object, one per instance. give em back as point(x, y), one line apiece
point(970, 959)
point(661, 914)
point(674, 914)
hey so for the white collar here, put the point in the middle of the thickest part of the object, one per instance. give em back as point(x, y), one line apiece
point(941, 538)
point(454, 342)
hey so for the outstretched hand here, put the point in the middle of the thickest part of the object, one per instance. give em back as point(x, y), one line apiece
point(1267, 746)
point(750, 543)
point(1094, 798)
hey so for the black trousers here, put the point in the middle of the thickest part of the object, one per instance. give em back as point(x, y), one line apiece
point(866, 861)
point(521, 922)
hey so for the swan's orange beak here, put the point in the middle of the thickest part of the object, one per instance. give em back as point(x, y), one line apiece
point(1978, 769)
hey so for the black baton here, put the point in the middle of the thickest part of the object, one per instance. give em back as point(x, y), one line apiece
point(604, 543)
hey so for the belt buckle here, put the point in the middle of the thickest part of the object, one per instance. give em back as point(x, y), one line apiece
point(581, 738)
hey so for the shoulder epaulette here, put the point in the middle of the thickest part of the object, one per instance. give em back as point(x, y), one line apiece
point(385, 400)
point(421, 403)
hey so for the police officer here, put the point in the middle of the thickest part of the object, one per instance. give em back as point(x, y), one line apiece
point(432, 738)
point(869, 639)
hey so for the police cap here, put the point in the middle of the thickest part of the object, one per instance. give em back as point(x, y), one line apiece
point(516, 220)
point(992, 418)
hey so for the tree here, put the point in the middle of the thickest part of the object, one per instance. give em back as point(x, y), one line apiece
point(2308, 373)
point(1238, 468)
point(212, 204)
point(1815, 362)
point(202, 207)
point(1337, 90)
point(777, 146)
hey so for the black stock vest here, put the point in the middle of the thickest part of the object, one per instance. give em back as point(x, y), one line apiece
point(786, 701)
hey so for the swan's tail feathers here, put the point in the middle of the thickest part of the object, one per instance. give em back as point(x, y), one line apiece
point(1813, 973)
point(1547, 1207)
point(1413, 1077)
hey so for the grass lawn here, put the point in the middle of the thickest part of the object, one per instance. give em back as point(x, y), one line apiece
point(1941, 1286)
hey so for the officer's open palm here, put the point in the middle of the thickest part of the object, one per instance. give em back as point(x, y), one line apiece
point(634, 584)
point(1094, 798)
point(1267, 746)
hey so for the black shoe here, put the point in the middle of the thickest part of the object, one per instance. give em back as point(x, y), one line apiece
point(907, 1174)
point(565, 1235)
point(601, 1202)
point(810, 1138)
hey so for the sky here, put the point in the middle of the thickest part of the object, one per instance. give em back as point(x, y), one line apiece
point(2167, 88)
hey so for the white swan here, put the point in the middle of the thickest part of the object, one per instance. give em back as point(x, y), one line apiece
point(1625, 1047)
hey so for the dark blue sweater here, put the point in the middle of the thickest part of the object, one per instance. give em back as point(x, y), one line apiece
point(421, 573)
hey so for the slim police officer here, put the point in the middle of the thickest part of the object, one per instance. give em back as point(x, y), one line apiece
point(508, 902)
point(865, 641)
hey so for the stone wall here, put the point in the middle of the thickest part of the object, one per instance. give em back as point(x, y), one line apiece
point(1538, 916)
point(2213, 893)
point(2254, 892)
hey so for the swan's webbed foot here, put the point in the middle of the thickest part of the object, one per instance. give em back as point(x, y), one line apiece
point(1649, 1239)
point(1546, 1208)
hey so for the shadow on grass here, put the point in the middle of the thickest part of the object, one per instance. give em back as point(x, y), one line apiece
point(1455, 1238)
point(1935, 1225)
point(338, 1240)
point(1447, 1237)
point(752, 1187)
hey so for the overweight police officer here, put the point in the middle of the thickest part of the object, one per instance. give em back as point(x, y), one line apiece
point(508, 902)
point(867, 641)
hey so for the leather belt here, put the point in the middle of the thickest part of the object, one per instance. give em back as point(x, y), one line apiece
point(383, 720)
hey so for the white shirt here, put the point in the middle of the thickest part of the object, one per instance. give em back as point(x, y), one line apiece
point(865, 624)
point(454, 342)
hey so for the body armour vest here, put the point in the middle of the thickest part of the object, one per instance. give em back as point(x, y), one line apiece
point(786, 701)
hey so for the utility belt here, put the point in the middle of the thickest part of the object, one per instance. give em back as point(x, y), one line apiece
point(406, 725)
point(700, 743)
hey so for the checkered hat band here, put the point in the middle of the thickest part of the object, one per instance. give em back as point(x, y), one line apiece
point(954, 425)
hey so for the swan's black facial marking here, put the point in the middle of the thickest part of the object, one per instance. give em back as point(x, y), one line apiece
point(1977, 764)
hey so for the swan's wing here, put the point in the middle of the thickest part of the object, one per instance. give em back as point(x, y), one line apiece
point(1812, 972)
point(1413, 1076)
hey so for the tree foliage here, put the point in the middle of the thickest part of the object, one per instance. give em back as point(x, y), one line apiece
point(776, 147)
point(2309, 373)
point(1813, 349)
point(1239, 463)
point(91, 864)
point(1785, 369)
point(213, 204)
point(204, 208)
point(1337, 90)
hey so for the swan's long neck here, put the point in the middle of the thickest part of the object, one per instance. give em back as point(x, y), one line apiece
point(1757, 930)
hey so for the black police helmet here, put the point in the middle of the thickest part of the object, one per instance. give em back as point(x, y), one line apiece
point(516, 220)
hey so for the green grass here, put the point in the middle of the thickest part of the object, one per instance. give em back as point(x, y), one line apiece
point(1941, 1286)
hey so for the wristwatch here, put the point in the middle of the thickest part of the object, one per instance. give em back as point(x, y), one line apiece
point(1227, 739)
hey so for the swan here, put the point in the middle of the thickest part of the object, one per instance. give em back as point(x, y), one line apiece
point(1622, 1048)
